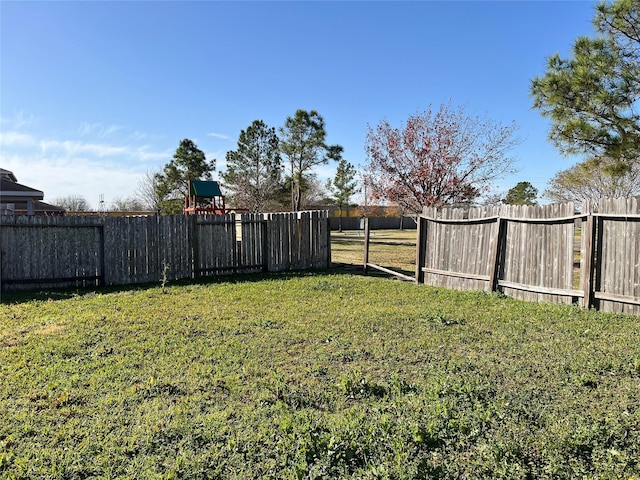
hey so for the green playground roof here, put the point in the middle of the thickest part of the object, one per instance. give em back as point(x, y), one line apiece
point(205, 188)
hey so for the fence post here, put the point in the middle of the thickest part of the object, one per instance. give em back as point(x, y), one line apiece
point(497, 254)
point(586, 264)
point(366, 243)
point(421, 248)
point(597, 262)
point(328, 240)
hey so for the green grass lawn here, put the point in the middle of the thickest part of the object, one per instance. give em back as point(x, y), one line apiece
point(322, 375)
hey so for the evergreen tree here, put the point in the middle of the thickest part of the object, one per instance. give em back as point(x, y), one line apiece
point(522, 194)
point(592, 98)
point(188, 163)
point(343, 186)
point(302, 141)
point(254, 169)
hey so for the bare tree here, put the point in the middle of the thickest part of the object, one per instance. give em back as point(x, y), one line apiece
point(147, 193)
point(72, 203)
point(129, 204)
point(314, 193)
point(594, 179)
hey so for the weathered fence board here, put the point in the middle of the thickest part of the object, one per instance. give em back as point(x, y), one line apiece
point(451, 260)
point(217, 249)
point(537, 253)
point(46, 252)
point(618, 264)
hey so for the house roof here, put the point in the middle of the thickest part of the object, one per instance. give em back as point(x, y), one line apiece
point(8, 174)
point(205, 188)
point(10, 189)
point(25, 200)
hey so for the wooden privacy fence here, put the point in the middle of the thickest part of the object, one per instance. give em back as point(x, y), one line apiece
point(538, 253)
point(45, 252)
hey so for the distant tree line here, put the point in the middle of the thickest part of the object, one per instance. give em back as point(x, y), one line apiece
point(268, 170)
point(442, 157)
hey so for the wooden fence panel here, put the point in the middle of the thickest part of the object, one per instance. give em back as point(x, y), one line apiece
point(304, 237)
point(535, 252)
point(217, 249)
point(539, 254)
point(293, 233)
point(286, 257)
point(618, 271)
point(457, 254)
point(50, 252)
point(484, 251)
point(273, 243)
point(116, 251)
point(252, 243)
point(44, 252)
point(320, 239)
point(138, 249)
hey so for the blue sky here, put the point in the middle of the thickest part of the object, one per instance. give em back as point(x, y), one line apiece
point(95, 94)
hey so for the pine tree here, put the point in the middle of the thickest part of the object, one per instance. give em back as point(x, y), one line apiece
point(343, 186)
point(303, 142)
point(254, 169)
point(188, 163)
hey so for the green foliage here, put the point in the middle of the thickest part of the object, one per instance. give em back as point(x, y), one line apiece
point(343, 186)
point(592, 97)
point(314, 376)
point(312, 192)
point(594, 179)
point(303, 142)
point(254, 170)
point(188, 163)
point(522, 194)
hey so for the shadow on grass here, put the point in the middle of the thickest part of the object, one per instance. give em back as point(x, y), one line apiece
point(25, 296)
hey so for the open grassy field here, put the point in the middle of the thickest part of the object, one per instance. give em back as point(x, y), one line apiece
point(322, 375)
point(395, 249)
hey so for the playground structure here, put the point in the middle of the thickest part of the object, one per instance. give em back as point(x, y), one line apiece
point(204, 197)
